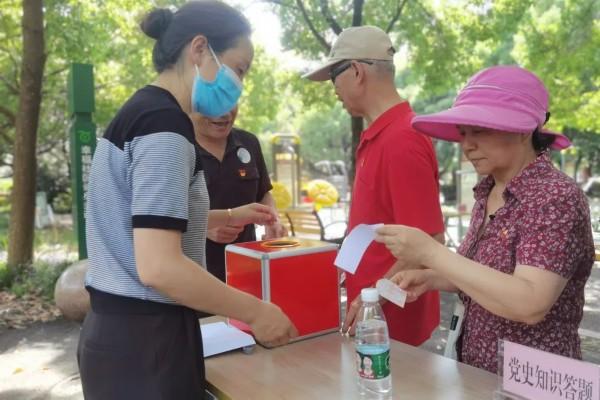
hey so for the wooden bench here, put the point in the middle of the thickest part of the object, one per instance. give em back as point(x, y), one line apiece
point(306, 223)
point(287, 224)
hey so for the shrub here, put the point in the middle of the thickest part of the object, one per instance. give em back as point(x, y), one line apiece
point(5, 276)
point(39, 279)
point(52, 179)
point(62, 203)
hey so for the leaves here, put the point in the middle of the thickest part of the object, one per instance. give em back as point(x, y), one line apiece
point(105, 34)
point(560, 43)
point(258, 106)
point(440, 44)
point(19, 312)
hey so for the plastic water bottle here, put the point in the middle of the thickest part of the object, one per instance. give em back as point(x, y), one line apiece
point(372, 348)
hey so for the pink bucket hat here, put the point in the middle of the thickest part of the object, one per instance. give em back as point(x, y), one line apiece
point(507, 98)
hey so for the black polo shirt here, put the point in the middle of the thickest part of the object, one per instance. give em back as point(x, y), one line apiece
point(241, 178)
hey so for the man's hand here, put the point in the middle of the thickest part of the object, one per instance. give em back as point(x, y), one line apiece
point(351, 312)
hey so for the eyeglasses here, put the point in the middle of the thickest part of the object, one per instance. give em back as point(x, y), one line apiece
point(336, 71)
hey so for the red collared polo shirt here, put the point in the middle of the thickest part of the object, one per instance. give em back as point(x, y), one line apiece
point(396, 183)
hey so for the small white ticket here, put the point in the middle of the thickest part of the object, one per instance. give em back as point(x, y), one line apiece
point(388, 290)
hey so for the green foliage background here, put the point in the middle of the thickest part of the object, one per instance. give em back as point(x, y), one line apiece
point(440, 44)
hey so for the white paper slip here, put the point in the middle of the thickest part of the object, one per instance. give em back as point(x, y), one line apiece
point(388, 290)
point(354, 246)
point(219, 337)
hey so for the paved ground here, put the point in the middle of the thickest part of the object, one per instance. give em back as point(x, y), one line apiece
point(38, 363)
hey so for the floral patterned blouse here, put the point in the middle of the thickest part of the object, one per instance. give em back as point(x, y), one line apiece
point(544, 223)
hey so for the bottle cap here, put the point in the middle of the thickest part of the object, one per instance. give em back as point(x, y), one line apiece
point(369, 295)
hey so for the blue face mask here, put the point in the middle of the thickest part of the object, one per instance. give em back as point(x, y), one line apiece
point(218, 97)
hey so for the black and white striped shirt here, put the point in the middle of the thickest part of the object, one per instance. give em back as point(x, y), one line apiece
point(146, 173)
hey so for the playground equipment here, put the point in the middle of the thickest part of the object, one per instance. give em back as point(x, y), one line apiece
point(336, 173)
point(322, 193)
point(281, 195)
point(286, 163)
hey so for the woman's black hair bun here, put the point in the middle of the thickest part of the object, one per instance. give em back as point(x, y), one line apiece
point(156, 22)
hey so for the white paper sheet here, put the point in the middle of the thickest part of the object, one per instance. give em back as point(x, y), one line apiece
point(354, 247)
point(219, 337)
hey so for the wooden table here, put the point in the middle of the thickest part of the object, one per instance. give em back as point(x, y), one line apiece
point(324, 368)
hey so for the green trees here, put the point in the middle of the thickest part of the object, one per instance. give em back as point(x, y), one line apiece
point(440, 43)
point(54, 35)
point(560, 42)
point(259, 106)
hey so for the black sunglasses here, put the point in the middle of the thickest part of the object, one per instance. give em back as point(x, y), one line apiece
point(336, 71)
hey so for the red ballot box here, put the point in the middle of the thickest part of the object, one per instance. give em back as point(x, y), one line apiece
point(296, 274)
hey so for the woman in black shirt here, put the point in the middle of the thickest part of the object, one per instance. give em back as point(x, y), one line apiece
point(236, 174)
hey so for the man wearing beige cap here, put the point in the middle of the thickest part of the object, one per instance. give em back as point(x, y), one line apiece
point(396, 171)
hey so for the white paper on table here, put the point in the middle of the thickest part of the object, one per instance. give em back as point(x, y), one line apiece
point(354, 246)
point(219, 337)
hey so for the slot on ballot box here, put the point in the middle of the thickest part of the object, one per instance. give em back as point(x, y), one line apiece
point(298, 275)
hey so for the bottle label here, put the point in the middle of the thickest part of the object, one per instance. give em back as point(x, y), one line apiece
point(373, 366)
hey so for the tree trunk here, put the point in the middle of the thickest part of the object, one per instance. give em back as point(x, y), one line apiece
point(577, 164)
point(357, 122)
point(20, 236)
point(357, 128)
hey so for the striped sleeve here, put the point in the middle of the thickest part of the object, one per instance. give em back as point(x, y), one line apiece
point(162, 165)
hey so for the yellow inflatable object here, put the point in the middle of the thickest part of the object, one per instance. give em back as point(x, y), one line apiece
point(322, 193)
point(282, 197)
